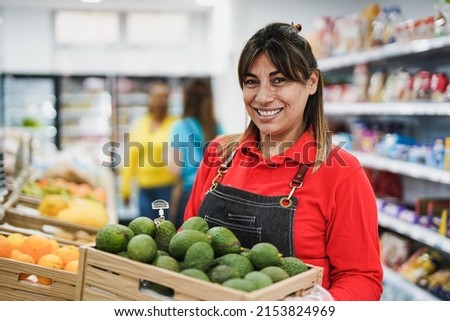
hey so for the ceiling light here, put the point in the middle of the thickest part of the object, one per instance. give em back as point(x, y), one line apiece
point(206, 3)
point(91, 1)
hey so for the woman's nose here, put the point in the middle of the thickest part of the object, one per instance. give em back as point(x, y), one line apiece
point(264, 94)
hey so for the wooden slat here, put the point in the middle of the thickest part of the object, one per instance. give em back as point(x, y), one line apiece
point(8, 294)
point(109, 273)
point(10, 265)
point(96, 294)
point(16, 217)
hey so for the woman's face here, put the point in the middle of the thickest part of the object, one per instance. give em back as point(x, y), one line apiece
point(275, 103)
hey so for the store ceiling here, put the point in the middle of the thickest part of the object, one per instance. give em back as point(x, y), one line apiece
point(159, 5)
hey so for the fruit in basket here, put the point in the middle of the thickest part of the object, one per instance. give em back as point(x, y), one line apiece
point(143, 225)
point(223, 240)
point(239, 262)
point(275, 273)
point(181, 242)
point(195, 223)
point(164, 233)
point(222, 273)
point(51, 261)
point(112, 238)
point(22, 257)
point(16, 240)
point(240, 284)
point(196, 273)
point(52, 204)
point(36, 246)
point(293, 265)
point(264, 254)
point(67, 253)
point(142, 248)
point(199, 255)
point(72, 266)
point(167, 263)
point(5, 247)
point(259, 279)
point(85, 212)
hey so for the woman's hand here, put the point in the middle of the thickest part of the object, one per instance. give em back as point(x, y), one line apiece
point(318, 293)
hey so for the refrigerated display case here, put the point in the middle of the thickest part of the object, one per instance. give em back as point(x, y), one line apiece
point(30, 102)
point(85, 113)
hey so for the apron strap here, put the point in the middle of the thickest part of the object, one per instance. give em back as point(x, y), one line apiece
point(296, 183)
point(298, 178)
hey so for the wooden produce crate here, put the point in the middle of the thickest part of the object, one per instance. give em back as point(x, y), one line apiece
point(20, 214)
point(12, 289)
point(111, 277)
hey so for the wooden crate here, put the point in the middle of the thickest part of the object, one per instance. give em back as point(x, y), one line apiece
point(111, 277)
point(13, 289)
point(18, 217)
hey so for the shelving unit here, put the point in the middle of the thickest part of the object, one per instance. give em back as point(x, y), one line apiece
point(393, 50)
point(429, 117)
point(85, 111)
point(404, 168)
point(392, 108)
point(414, 231)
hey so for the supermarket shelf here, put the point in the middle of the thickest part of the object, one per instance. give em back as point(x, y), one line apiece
point(395, 279)
point(404, 168)
point(387, 51)
point(414, 231)
point(388, 108)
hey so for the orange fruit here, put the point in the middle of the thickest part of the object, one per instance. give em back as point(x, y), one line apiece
point(67, 253)
point(5, 247)
point(22, 257)
point(16, 240)
point(19, 256)
point(36, 246)
point(72, 266)
point(54, 243)
point(51, 261)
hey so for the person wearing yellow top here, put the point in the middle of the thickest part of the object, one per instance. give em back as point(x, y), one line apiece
point(146, 154)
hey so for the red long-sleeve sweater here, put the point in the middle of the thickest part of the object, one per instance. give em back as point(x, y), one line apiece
point(336, 221)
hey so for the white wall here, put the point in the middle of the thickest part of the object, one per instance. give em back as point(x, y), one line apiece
point(214, 45)
point(29, 48)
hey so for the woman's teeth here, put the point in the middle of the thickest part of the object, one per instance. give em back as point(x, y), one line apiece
point(268, 113)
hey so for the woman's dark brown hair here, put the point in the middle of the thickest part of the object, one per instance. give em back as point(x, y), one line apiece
point(292, 55)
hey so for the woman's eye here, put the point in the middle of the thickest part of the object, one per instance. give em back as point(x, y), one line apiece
point(279, 81)
point(250, 82)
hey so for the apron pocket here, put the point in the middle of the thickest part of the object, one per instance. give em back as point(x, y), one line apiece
point(247, 235)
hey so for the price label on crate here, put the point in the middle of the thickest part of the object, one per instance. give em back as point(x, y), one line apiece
point(160, 205)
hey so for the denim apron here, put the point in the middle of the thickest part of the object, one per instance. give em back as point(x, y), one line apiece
point(252, 217)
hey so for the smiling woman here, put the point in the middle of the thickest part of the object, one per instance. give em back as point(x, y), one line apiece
point(285, 183)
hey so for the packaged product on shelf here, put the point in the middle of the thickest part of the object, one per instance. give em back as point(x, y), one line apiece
point(422, 263)
point(394, 18)
point(438, 86)
point(422, 85)
point(441, 17)
point(361, 81)
point(438, 151)
point(376, 85)
point(438, 284)
point(447, 154)
point(395, 250)
point(320, 37)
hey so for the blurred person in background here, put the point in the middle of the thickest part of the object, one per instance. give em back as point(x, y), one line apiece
point(189, 138)
point(146, 154)
point(283, 181)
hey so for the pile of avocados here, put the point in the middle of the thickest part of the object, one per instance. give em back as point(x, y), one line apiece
point(196, 250)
